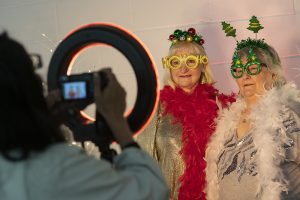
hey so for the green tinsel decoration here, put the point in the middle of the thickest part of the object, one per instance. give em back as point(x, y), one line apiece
point(260, 43)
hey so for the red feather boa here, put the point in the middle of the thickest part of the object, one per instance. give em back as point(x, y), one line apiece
point(196, 112)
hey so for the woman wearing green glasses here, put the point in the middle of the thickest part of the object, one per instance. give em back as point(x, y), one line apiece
point(178, 134)
point(255, 150)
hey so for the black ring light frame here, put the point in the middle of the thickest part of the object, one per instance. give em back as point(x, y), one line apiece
point(130, 46)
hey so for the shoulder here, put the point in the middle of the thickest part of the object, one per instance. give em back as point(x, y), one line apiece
point(65, 149)
point(290, 96)
point(57, 154)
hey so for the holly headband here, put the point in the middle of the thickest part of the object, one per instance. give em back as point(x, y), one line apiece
point(190, 61)
point(253, 65)
point(190, 36)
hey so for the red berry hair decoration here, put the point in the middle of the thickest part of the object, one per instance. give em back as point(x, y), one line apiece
point(190, 36)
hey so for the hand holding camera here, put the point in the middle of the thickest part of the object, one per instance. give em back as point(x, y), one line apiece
point(111, 103)
point(77, 91)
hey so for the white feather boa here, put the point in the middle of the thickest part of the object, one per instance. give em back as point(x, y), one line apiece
point(268, 137)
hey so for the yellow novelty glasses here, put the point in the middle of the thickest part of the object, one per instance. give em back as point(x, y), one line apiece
point(190, 61)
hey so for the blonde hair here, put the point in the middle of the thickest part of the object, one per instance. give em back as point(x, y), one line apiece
point(192, 48)
point(269, 57)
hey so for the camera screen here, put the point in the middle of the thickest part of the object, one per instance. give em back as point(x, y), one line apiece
point(74, 90)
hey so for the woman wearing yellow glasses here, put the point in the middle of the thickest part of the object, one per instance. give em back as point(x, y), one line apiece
point(178, 134)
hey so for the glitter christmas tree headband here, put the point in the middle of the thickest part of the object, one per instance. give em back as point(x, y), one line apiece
point(254, 26)
point(253, 65)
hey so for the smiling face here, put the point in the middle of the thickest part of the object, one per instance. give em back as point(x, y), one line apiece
point(184, 77)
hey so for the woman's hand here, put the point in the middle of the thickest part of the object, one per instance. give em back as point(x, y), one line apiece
point(59, 108)
point(111, 101)
point(111, 104)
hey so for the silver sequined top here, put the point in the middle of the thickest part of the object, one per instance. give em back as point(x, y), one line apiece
point(237, 165)
point(237, 169)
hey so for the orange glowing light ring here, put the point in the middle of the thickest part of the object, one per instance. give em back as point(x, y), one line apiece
point(130, 46)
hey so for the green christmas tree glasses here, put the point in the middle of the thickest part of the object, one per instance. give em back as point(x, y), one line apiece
point(252, 67)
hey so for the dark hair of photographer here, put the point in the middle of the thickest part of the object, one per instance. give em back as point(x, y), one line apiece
point(26, 123)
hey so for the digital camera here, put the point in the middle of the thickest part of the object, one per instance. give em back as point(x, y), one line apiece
point(77, 87)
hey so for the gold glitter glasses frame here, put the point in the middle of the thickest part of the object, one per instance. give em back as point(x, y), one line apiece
point(190, 61)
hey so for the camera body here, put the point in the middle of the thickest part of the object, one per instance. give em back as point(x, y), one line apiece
point(80, 87)
point(77, 87)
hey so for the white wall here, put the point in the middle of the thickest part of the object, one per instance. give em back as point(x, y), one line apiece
point(42, 24)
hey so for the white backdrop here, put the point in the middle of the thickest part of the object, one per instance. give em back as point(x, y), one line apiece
point(41, 24)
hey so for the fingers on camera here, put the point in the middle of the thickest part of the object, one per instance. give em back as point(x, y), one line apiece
point(112, 80)
point(107, 70)
point(53, 97)
point(97, 91)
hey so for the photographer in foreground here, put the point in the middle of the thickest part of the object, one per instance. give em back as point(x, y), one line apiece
point(35, 160)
